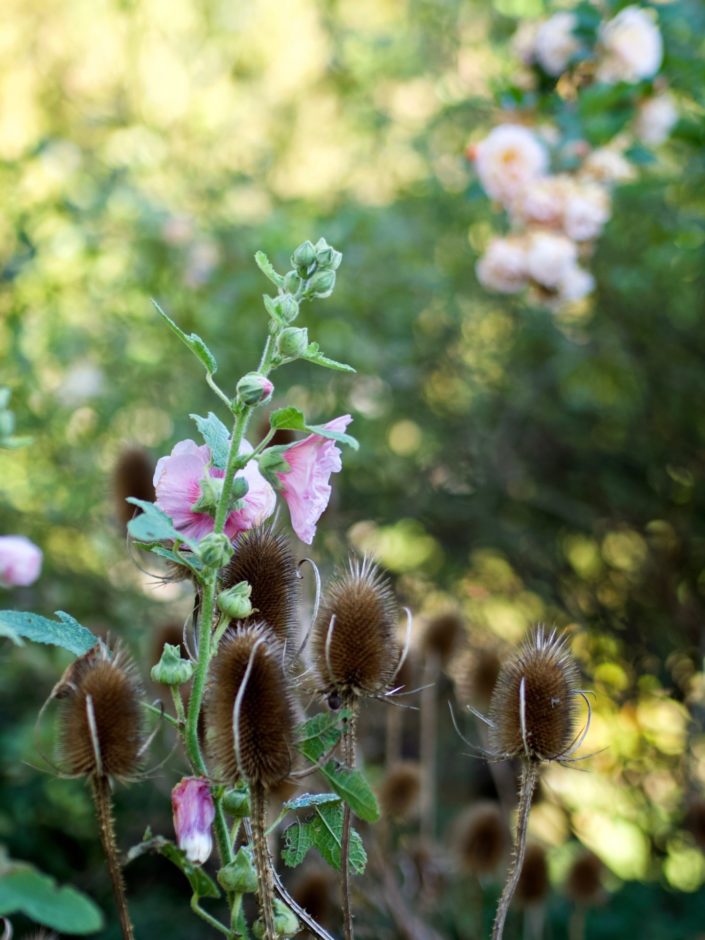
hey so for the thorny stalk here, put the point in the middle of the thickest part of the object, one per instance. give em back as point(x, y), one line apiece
point(349, 753)
point(104, 811)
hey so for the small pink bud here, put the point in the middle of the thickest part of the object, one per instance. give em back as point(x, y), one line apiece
point(20, 561)
point(194, 812)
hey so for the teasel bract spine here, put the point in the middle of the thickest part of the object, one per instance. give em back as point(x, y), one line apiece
point(101, 738)
point(356, 655)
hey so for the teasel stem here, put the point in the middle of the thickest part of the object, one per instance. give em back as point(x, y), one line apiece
point(104, 811)
point(263, 865)
point(349, 752)
point(427, 747)
point(529, 777)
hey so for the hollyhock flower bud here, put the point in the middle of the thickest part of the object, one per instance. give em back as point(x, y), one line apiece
point(20, 561)
point(292, 342)
point(303, 257)
point(171, 668)
point(286, 923)
point(508, 159)
point(631, 47)
point(235, 602)
point(254, 389)
point(322, 283)
point(194, 812)
point(327, 256)
point(305, 486)
point(236, 802)
point(556, 43)
point(286, 307)
point(177, 481)
point(215, 550)
point(239, 875)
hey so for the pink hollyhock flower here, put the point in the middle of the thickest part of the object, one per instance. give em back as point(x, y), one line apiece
point(194, 812)
point(305, 487)
point(177, 481)
point(20, 561)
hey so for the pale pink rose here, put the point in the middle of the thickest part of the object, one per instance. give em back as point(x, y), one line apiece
point(503, 266)
point(20, 561)
point(508, 159)
point(631, 47)
point(607, 165)
point(543, 201)
point(194, 812)
point(305, 486)
point(586, 210)
point(549, 257)
point(556, 43)
point(177, 481)
point(524, 42)
point(575, 284)
point(655, 119)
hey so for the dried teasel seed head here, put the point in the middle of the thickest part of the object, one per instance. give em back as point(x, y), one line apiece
point(584, 881)
point(534, 884)
point(354, 640)
point(481, 838)
point(101, 718)
point(132, 476)
point(533, 706)
point(400, 790)
point(695, 821)
point(475, 673)
point(315, 890)
point(264, 559)
point(250, 713)
point(442, 635)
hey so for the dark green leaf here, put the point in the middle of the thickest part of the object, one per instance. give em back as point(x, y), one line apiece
point(297, 842)
point(66, 632)
point(320, 734)
point(153, 524)
point(193, 341)
point(26, 890)
point(351, 786)
point(326, 832)
point(202, 884)
point(216, 436)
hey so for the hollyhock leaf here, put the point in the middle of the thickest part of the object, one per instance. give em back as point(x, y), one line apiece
point(311, 799)
point(351, 786)
point(297, 842)
point(24, 889)
point(153, 524)
point(193, 341)
point(320, 734)
point(291, 419)
point(340, 436)
point(202, 884)
point(266, 267)
point(64, 632)
point(326, 830)
point(216, 436)
point(314, 354)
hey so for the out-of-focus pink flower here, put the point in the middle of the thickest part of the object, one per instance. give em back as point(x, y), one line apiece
point(549, 257)
point(305, 487)
point(194, 812)
point(503, 266)
point(556, 43)
point(177, 481)
point(655, 119)
point(507, 159)
point(20, 561)
point(631, 47)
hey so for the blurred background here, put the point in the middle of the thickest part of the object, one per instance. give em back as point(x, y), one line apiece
point(516, 465)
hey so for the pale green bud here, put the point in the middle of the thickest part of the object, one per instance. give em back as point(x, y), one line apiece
point(322, 283)
point(171, 668)
point(292, 342)
point(215, 550)
point(254, 389)
point(236, 802)
point(304, 256)
point(292, 282)
point(286, 923)
point(235, 602)
point(286, 308)
point(239, 875)
point(211, 488)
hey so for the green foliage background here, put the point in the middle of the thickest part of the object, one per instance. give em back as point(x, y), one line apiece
point(532, 466)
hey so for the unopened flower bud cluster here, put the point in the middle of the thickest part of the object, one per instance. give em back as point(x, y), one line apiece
point(555, 216)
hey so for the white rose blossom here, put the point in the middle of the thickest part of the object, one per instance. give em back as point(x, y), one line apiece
point(503, 266)
point(549, 258)
point(507, 159)
point(575, 284)
point(607, 165)
point(655, 119)
point(556, 43)
point(631, 47)
point(586, 210)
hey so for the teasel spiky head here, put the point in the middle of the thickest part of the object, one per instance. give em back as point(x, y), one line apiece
point(481, 838)
point(101, 727)
point(534, 885)
point(533, 710)
point(443, 634)
point(583, 883)
point(474, 673)
point(400, 790)
point(251, 715)
point(132, 476)
point(354, 642)
point(264, 559)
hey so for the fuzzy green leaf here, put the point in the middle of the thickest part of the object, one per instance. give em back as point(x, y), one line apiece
point(216, 436)
point(202, 884)
point(314, 354)
point(351, 786)
point(340, 436)
point(290, 418)
point(26, 890)
point(153, 524)
point(320, 734)
point(66, 632)
point(297, 842)
point(323, 831)
point(193, 341)
point(266, 267)
point(311, 799)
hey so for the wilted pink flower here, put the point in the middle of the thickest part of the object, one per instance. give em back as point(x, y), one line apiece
point(20, 561)
point(194, 812)
point(305, 487)
point(177, 481)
